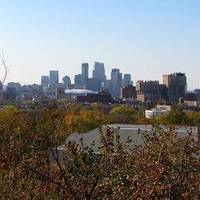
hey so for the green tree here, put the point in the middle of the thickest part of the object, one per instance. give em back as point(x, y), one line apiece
point(122, 114)
point(175, 117)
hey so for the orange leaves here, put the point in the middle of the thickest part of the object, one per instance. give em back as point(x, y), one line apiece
point(166, 166)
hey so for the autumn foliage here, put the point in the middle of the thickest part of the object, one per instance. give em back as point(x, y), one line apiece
point(167, 166)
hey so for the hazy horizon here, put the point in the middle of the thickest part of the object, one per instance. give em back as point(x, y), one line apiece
point(146, 38)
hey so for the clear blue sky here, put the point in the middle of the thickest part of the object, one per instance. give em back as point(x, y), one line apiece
point(146, 38)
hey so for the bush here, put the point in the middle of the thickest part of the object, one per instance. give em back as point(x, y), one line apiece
point(122, 114)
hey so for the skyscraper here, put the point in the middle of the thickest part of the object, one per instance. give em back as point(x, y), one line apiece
point(54, 79)
point(66, 82)
point(99, 71)
point(127, 80)
point(148, 91)
point(85, 67)
point(116, 81)
point(176, 84)
point(94, 84)
point(45, 83)
point(78, 81)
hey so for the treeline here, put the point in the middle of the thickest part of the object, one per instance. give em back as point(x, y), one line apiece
point(178, 117)
point(70, 118)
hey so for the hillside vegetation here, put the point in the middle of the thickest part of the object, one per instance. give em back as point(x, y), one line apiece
point(165, 167)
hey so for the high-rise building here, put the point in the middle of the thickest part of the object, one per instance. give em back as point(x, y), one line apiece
point(127, 80)
point(94, 84)
point(176, 84)
point(107, 85)
point(45, 83)
point(163, 93)
point(99, 71)
point(116, 81)
point(54, 79)
point(148, 91)
point(85, 67)
point(67, 82)
point(78, 81)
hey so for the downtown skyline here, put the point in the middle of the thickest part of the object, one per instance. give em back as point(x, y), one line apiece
point(146, 38)
point(90, 75)
point(120, 86)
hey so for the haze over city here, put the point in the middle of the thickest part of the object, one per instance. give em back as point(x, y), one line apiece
point(145, 38)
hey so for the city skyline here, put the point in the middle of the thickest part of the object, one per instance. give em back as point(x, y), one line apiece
point(119, 87)
point(146, 38)
point(60, 77)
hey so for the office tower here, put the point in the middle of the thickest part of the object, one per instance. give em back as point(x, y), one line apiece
point(44, 83)
point(176, 84)
point(78, 81)
point(148, 91)
point(163, 93)
point(67, 82)
point(127, 80)
point(54, 79)
point(116, 81)
point(99, 71)
point(107, 85)
point(85, 67)
point(128, 92)
point(94, 84)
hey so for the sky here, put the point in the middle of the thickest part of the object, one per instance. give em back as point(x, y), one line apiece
point(146, 38)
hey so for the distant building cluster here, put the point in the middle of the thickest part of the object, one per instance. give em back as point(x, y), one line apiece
point(99, 88)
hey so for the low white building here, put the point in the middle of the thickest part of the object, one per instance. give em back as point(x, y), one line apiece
point(157, 112)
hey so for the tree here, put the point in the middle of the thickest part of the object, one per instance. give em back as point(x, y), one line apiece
point(165, 167)
point(122, 114)
point(5, 69)
point(175, 117)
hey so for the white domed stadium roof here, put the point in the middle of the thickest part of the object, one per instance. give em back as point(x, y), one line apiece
point(79, 92)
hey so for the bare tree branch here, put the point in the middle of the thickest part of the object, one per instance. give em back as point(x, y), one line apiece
point(5, 68)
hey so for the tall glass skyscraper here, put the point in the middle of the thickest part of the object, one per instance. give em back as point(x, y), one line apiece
point(45, 83)
point(116, 81)
point(53, 79)
point(127, 80)
point(85, 67)
point(67, 82)
point(99, 71)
